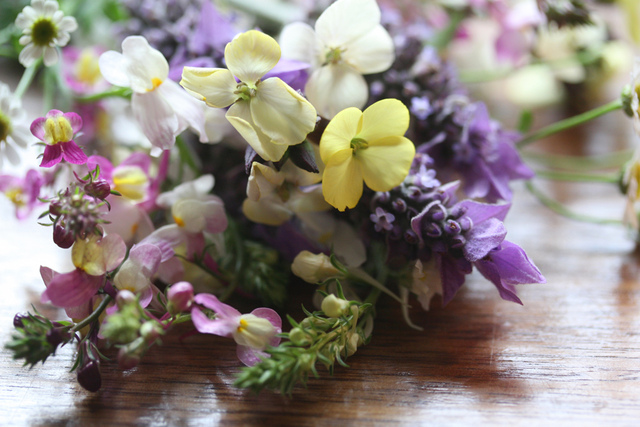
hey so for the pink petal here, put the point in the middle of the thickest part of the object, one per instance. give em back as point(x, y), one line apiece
point(142, 160)
point(250, 356)
point(54, 113)
point(274, 318)
point(37, 128)
point(72, 289)
point(220, 327)
point(72, 153)
point(106, 167)
point(47, 274)
point(222, 310)
point(75, 120)
point(114, 251)
point(52, 156)
point(146, 296)
point(147, 257)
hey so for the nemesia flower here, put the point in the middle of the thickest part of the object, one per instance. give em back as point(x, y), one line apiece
point(93, 257)
point(274, 197)
point(136, 271)
point(252, 332)
point(81, 69)
point(14, 128)
point(23, 192)
point(347, 42)
point(56, 130)
point(44, 27)
point(268, 113)
point(162, 109)
point(365, 145)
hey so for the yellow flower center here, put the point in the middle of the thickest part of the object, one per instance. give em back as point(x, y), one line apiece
point(57, 129)
point(246, 92)
point(358, 144)
point(178, 221)
point(333, 56)
point(43, 31)
point(5, 127)
point(87, 68)
point(254, 331)
point(16, 196)
point(243, 325)
point(156, 82)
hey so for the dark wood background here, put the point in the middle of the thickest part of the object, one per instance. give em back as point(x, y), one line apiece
point(570, 355)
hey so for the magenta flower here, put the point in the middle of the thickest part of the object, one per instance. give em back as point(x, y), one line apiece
point(253, 332)
point(56, 130)
point(23, 192)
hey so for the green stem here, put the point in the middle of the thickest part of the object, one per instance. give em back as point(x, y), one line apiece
point(578, 177)
point(122, 92)
point(93, 316)
point(570, 122)
point(444, 37)
point(588, 163)
point(26, 79)
point(563, 210)
point(373, 296)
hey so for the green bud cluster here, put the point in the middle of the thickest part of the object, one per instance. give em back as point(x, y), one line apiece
point(36, 338)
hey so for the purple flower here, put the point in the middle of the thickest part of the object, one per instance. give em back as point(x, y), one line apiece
point(23, 192)
point(56, 130)
point(382, 220)
point(252, 332)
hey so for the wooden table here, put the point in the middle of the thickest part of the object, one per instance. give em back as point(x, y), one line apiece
point(570, 355)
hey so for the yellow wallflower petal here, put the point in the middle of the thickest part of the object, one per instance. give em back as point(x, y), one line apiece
point(281, 113)
point(339, 132)
point(342, 180)
point(386, 162)
point(387, 117)
point(215, 86)
point(266, 213)
point(251, 55)
point(239, 115)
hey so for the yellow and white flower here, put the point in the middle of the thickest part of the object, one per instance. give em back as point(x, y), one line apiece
point(367, 146)
point(347, 42)
point(269, 114)
point(44, 28)
point(161, 108)
point(14, 128)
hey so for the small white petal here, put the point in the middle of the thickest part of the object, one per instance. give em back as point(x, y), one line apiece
point(11, 154)
point(50, 7)
point(21, 136)
point(68, 24)
point(51, 56)
point(298, 41)
point(157, 119)
point(333, 88)
point(113, 68)
point(371, 53)
point(29, 54)
point(347, 20)
point(189, 110)
point(144, 64)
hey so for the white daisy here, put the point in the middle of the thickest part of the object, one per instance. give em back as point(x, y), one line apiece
point(44, 27)
point(14, 128)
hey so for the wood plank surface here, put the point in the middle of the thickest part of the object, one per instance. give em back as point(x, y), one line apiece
point(570, 355)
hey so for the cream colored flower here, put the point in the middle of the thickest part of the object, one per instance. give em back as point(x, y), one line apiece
point(314, 268)
point(269, 114)
point(44, 28)
point(347, 42)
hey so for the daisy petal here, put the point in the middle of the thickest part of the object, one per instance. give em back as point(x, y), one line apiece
point(51, 56)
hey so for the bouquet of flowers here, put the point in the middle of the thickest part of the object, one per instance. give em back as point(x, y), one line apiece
point(205, 151)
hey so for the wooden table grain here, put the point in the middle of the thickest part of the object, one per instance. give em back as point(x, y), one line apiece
point(570, 355)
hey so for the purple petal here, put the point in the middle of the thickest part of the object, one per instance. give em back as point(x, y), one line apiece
point(75, 120)
point(213, 30)
point(37, 128)
point(221, 327)
point(53, 113)
point(47, 274)
point(514, 266)
point(72, 289)
point(52, 156)
point(489, 270)
point(452, 277)
point(250, 356)
point(482, 238)
point(222, 310)
point(142, 160)
point(72, 153)
point(479, 212)
point(146, 296)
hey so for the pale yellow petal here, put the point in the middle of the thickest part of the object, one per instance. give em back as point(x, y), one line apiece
point(239, 116)
point(308, 201)
point(282, 113)
point(371, 53)
point(342, 180)
point(339, 132)
point(266, 213)
point(215, 86)
point(388, 117)
point(263, 181)
point(251, 55)
point(386, 163)
point(334, 87)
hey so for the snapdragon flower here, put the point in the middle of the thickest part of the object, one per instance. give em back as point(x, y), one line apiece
point(44, 28)
point(22, 191)
point(56, 130)
point(252, 332)
point(367, 146)
point(268, 113)
point(14, 128)
point(162, 109)
point(347, 42)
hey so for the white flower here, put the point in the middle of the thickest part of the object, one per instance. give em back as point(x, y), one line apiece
point(348, 41)
point(159, 105)
point(14, 128)
point(268, 113)
point(44, 27)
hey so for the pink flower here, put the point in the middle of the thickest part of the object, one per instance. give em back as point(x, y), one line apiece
point(81, 71)
point(56, 130)
point(252, 332)
point(23, 192)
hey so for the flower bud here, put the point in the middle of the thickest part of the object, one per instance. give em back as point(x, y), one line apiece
point(63, 237)
point(17, 320)
point(89, 376)
point(55, 208)
point(125, 297)
point(99, 189)
point(334, 306)
point(313, 268)
point(180, 297)
point(298, 337)
point(150, 331)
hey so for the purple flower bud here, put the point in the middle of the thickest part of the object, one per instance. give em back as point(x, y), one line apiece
point(56, 336)
point(399, 205)
point(180, 297)
point(99, 189)
point(63, 237)
point(432, 230)
point(89, 376)
point(452, 227)
point(55, 208)
point(17, 320)
point(411, 237)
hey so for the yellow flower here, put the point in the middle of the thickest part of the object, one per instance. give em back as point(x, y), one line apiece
point(365, 145)
point(268, 113)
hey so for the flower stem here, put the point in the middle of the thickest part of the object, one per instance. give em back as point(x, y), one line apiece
point(578, 177)
point(564, 211)
point(588, 163)
point(93, 316)
point(122, 92)
point(26, 79)
point(570, 122)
